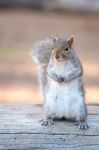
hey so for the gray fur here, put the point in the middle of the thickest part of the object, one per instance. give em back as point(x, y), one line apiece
point(74, 72)
point(41, 51)
point(67, 71)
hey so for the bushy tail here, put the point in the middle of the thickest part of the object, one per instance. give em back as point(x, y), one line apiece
point(41, 53)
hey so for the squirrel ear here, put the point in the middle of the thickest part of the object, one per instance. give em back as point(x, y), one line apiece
point(70, 40)
point(54, 39)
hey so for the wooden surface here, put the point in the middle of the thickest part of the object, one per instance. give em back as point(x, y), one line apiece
point(20, 129)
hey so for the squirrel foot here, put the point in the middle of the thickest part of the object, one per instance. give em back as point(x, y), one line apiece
point(47, 122)
point(83, 125)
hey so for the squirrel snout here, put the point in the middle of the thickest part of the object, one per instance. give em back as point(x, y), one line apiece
point(57, 56)
point(60, 56)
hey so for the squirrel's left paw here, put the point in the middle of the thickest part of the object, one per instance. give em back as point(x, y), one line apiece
point(83, 125)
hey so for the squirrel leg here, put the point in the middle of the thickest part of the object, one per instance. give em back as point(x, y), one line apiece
point(81, 119)
point(47, 120)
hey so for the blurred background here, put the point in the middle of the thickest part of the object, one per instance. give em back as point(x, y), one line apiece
point(24, 21)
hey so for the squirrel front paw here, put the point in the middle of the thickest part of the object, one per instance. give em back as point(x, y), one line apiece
point(61, 79)
point(57, 78)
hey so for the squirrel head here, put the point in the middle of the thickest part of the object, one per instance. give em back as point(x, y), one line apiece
point(62, 48)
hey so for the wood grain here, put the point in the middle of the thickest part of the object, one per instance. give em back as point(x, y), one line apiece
point(20, 129)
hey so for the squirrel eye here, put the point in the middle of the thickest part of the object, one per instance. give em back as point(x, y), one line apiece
point(66, 48)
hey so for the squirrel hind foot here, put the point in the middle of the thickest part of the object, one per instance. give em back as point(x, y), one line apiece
point(83, 126)
point(47, 122)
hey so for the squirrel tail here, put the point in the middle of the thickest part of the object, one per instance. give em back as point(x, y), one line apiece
point(41, 53)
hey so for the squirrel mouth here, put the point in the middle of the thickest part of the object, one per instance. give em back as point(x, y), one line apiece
point(61, 58)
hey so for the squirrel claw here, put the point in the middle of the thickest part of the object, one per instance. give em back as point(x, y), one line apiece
point(83, 125)
point(47, 122)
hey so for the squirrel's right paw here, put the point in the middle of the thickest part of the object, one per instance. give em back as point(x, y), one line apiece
point(57, 78)
point(47, 122)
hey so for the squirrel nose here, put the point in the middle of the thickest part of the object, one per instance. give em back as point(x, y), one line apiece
point(57, 56)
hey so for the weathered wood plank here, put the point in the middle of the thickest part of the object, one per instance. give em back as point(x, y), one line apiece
point(20, 108)
point(20, 129)
point(46, 141)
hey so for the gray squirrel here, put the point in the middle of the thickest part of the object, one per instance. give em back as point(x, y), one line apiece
point(60, 77)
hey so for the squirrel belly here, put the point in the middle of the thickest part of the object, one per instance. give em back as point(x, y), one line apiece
point(64, 99)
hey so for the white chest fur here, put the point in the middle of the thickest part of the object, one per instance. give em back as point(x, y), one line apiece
point(63, 99)
point(61, 69)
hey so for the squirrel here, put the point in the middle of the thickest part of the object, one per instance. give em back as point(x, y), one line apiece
point(60, 77)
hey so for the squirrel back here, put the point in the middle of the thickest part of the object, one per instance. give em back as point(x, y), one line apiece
point(41, 53)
